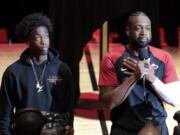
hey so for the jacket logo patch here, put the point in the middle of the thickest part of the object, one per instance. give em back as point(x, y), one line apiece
point(154, 66)
point(54, 79)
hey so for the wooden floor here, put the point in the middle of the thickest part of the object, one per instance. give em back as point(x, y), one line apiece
point(82, 125)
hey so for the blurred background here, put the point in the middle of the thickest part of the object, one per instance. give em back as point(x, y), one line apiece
point(78, 26)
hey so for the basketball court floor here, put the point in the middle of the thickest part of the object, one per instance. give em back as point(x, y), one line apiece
point(83, 124)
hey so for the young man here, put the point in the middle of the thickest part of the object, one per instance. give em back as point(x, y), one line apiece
point(38, 80)
point(136, 79)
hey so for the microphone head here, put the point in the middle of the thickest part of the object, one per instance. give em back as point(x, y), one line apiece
point(143, 53)
point(177, 116)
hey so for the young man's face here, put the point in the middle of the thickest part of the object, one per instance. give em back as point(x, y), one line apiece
point(39, 40)
point(139, 31)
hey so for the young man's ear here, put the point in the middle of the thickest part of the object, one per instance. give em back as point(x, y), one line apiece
point(127, 30)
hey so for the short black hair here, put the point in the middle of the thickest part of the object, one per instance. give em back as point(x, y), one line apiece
point(28, 122)
point(137, 13)
point(31, 22)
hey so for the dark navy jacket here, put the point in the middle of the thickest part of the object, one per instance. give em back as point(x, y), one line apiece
point(18, 88)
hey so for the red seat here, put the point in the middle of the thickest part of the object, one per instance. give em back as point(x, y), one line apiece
point(88, 106)
point(3, 35)
point(178, 37)
point(162, 38)
point(89, 101)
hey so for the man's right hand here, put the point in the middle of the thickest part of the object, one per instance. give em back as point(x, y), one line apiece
point(140, 69)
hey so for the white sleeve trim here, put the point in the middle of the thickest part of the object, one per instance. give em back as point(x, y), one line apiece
point(169, 92)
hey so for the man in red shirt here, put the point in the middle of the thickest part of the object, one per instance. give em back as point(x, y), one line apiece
point(135, 80)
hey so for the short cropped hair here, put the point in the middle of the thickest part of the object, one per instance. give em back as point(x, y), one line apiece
point(28, 122)
point(138, 13)
point(31, 22)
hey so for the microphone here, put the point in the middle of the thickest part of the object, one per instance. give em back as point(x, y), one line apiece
point(177, 116)
point(143, 53)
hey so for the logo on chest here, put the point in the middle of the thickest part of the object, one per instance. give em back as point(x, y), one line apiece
point(154, 66)
point(54, 79)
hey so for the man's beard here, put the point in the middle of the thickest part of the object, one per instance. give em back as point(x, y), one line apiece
point(137, 44)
